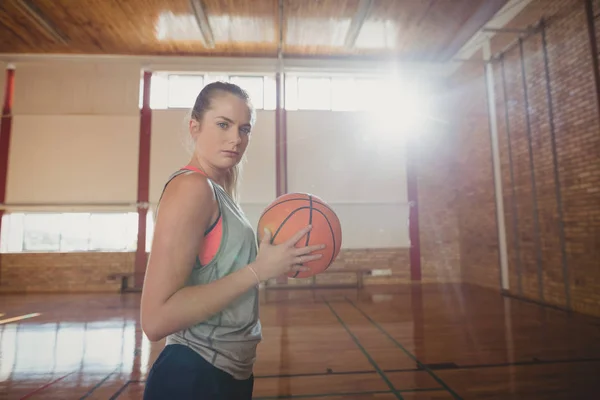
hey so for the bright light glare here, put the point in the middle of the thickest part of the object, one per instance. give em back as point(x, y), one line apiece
point(399, 109)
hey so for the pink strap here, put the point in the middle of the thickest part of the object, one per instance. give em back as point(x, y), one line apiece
point(190, 168)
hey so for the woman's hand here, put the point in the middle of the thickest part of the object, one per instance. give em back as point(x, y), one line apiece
point(275, 260)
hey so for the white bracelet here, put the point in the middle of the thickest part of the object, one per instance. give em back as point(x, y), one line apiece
point(255, 274)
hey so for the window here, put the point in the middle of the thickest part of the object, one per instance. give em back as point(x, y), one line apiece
point(270, 89)
point(41, 232)
point(343, 94)
point(68, 232)
point(254, 86)
point(183, 90)
point(334, 93)
point(159, 86)
point(180, 90)
point(291, 93)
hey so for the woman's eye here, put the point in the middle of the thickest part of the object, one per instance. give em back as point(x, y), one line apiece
point(223, 125)
point(246, 131)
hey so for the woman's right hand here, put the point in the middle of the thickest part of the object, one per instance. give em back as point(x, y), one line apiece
point(275, 260)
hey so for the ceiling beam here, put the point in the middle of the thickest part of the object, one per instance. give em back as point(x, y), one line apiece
point(506, 14)
point(280, 33)
point(364, 7)
point(507, 30)
point(202, 21)
point(33, 13)
point(481, 16)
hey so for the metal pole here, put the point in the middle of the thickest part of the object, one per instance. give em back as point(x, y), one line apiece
point(489, 80)
point(536, 224)
point(557, 188)
point(515, 216)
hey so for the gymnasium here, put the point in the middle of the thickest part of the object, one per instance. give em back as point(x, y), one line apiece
point(457, 141)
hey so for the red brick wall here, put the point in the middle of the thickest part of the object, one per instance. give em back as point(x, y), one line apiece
point(74, 272)
point(436, 170)
point(577, 129)
point(63, 272)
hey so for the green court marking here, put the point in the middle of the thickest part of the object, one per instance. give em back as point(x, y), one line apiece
point(364, 351)
point(310, 396)
point(408, 353)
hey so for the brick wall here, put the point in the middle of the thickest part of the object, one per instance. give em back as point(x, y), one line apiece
point(75, 272)
point(63, 272)
point(342, 271)
point(436, 169)
point(530, 198)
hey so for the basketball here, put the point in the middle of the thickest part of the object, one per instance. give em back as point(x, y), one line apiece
point(291, 212)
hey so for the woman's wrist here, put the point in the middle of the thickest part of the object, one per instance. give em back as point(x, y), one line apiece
point(254, 273)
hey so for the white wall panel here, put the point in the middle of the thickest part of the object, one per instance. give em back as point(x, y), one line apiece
point(354, 162)
point(59, 158)
point(344, 157)
point(77, 88)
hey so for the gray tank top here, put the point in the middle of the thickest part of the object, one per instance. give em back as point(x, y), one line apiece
point(227, 339)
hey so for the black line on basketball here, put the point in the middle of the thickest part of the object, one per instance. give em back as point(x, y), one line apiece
point(328, 224)
point(309, 219)
point(295, 199)
point(332, 234)
point(310, 198)
point(285, 220)
point(281, 202)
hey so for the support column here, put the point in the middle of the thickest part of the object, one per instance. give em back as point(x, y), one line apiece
point(280, 144)
point(143, 193)
point(493, 125)
point(5, 132)
point(413, 213)
point(280, 137)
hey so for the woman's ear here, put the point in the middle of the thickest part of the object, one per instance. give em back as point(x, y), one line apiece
point(194, 126)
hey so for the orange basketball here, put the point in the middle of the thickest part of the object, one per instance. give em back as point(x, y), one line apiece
point(291, 212)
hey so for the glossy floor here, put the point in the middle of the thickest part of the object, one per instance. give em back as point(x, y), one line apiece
point(400, 342)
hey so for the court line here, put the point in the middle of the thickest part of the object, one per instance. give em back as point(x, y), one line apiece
point(433, 368)
point(19, 318)
point(309, 396)
point(120, 391)
point(408, 353)
point(306, 374)
point(364, 351)
point(47, 385)
point(97, 385)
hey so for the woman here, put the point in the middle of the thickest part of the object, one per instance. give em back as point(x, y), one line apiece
point(201, 285)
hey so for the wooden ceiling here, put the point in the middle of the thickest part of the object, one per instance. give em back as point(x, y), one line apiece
point(412, 30)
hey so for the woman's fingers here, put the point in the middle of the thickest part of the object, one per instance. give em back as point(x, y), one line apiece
point(306, 258)
point(299, 268)
point(308, 249)
point(294, 239)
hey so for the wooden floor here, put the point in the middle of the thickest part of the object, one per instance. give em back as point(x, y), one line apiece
point(393, 342)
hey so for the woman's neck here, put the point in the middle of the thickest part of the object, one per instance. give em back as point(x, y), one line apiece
point(215, 174)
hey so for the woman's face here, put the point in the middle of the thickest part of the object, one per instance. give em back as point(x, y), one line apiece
point(223, 135)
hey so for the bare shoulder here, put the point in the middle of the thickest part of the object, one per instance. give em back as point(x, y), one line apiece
point(185, 212)
point(186, 190)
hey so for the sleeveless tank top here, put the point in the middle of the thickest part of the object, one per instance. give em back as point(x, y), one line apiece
point(227, 339)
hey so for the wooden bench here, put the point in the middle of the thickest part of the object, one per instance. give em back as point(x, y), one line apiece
point(125, 277)
point(360, 270)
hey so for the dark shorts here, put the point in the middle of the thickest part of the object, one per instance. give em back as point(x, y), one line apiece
point(180, 373)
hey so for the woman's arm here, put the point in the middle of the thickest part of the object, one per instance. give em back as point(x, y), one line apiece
point(167, 305)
